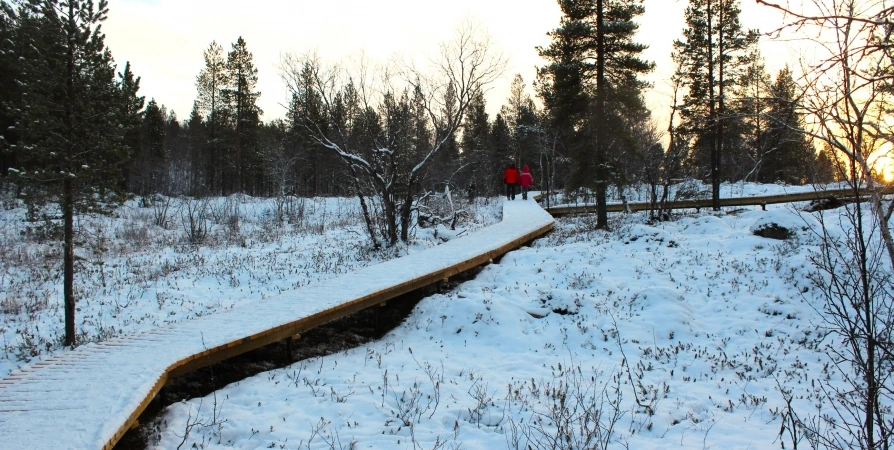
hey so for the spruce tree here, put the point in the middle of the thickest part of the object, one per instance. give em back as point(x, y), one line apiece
point(196, 137)
point(398, 131)
point(153, 161)
point(501, 142)
point(449, 158)
point(70, 122)
point(422, 127)
point(131, 107)
point(521, 116)
point(178, 151)
point(306, 113)
point(794, 155)
point(753, 105)
point(475, 144)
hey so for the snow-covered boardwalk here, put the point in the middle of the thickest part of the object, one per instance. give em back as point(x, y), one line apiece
point(87, 398)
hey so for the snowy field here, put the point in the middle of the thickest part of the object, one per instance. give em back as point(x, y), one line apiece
point(145, 268)
point(671, 335)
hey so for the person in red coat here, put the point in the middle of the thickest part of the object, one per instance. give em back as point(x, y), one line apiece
point(525, 180)
point(510, 177)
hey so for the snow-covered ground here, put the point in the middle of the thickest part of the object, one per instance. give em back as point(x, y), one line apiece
point(134, 275)
point(672, 335)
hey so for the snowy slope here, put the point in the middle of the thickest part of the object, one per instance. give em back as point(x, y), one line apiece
point(679, 333)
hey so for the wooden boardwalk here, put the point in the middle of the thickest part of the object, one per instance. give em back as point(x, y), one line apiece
point(87, 398)
point(706, 203)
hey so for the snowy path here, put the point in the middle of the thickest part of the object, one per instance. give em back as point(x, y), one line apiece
point(88, 397)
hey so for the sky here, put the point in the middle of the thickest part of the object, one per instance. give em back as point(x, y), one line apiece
point(164, 39)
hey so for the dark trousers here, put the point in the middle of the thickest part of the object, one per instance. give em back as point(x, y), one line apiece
point(525, 190)
point(510, 191)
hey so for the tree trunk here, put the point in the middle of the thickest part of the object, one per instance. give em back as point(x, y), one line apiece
point(239, 131)
point(390, 210)
point(884, 229)
point(715, 135)
point(868, 319)
point(68, 189)
point(601, 172)
point(406, 210)
point(68, 258)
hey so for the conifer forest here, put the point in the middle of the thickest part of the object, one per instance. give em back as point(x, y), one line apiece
point(73, 115)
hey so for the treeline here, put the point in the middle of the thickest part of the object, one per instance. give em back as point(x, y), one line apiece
point(731, 120)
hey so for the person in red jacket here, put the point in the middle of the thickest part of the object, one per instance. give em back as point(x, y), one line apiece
point(525, 180)
point(510, 177)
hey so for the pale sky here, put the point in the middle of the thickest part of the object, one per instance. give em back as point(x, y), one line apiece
point(164, 39)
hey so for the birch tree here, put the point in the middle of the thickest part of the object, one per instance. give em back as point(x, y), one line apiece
point(847, 105)
point(443, 93)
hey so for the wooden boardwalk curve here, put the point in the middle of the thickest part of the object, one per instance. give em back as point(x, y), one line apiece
point(89, 397)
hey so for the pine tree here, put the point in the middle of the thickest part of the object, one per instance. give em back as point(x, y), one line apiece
point(211, 83)
point(70, 124)
point(753, 105)
point(592, 75)
point(713, 54)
